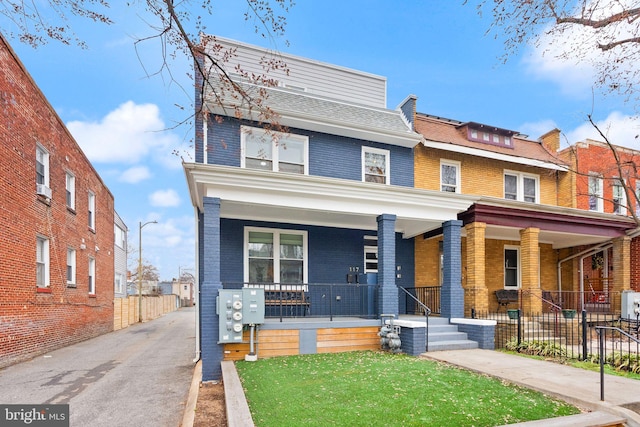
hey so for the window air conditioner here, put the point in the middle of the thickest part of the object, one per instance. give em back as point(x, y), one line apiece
point(43, 190)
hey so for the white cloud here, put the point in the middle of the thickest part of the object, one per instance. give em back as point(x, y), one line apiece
point(128, 134)
point(164, 198)
point(619, 128)
point(135, 174)
point(536, 129)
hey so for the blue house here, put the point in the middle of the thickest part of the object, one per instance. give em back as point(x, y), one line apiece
point(322, 205)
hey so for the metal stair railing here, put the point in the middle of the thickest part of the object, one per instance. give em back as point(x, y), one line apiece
point(599, 331)
point(427, 312)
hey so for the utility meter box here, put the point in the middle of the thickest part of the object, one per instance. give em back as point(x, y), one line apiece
point(630, 305)
point(230, 308)
point(252, 306)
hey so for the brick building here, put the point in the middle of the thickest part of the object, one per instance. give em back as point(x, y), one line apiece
point(57, 215)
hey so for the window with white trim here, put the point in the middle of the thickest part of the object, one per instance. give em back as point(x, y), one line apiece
point(71, 267)
point(619, 197)
point(522, 187)
point(42, 262)
point(120, 236)
point(275, 256)
point(596, 195)
point(449, 176)
point(119, 283)
point(42, 166)
point(70, 187)
point(274, 151)
point(92, 211)
point(511, 267)
point(638, 197)
point(370, 254)
point(92, 276)
point(375, 165)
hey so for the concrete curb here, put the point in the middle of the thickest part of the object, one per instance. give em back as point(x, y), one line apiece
point(190, 408)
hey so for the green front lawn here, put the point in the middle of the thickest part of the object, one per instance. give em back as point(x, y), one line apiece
point(382, 389)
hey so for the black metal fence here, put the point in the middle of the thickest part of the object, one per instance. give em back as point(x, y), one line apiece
point(297, 300)
point(567, 334)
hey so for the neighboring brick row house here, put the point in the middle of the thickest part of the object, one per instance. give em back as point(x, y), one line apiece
point(57, 215)
point(411, 200)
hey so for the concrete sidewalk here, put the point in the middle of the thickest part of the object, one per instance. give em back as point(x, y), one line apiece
point(577, 386)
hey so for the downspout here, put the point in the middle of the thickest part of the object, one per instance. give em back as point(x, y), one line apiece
point(583, 254)
point(205, 154)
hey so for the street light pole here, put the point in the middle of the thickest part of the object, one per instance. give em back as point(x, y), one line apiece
point(140, 267)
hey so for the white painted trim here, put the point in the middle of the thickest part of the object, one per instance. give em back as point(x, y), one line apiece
point(493, 155)
point(504, 267)
point(520, 177)
point(479, 322)
point(387, 162)
point(457, 165)
point(276, 250)
point(275, 158)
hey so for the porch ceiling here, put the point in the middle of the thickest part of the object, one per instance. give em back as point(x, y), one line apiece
point(311, 200)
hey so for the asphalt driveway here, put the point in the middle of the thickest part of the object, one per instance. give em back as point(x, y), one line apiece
point(138, 376)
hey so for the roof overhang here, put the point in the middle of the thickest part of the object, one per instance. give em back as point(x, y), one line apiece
point(311, 200)
point(493, 155)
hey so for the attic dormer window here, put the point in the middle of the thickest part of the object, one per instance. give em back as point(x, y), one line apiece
point(478, 132)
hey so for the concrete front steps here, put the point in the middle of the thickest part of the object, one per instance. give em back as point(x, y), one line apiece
point(445, 336)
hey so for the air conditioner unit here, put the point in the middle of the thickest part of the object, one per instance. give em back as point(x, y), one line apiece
point(43, 190)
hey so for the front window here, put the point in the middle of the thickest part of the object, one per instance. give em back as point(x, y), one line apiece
point(92, 276)
point(619, 197)
point(274, 151)
point(522, 187)
point(375, 165)
point(71, 266)
point(595, 193)
point(92, 211)
point(42, 166)
point(275, 256)
point(511, 267)
point(70, 187)
point(370, 254)
point(42, 262)
point(449, 176)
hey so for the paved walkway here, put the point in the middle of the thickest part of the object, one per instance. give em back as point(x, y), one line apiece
point(574, 385)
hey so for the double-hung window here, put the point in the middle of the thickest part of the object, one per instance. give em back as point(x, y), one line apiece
point(120, 237)
point(275, 256)
point(511, 267)
point(449, 176)
point(92, 276)
point(274, 151)
point(522, 187)
point(370, 254)
point(70, 187)
point(71, 267)
point(596, 195)
point(375, 165)
point(619, 197)
point(42, 171)
point(42, 262)
point(119, 283)
point(91, 211)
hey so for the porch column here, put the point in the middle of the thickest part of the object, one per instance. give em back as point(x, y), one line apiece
point(387, 289)
point(476, 295)
point(530, 270)
point(211, 351)
point(621, 271)
point(452, 294)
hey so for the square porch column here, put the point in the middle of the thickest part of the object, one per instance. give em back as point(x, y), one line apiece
point(476, 294)
point(452, 294)
point(530, 270)
point(387, 289)
point(621, 271)
point(211, 351)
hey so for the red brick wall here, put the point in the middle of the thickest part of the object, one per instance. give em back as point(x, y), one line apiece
point(33, 322)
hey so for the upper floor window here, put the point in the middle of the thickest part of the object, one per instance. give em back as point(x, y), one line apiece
point(92, 276)
point(637, 197)
point(274, 151)
point(70, 187)
point(449, 176)
point(71, 267)
point(595, 193)
point(619, 197)
point(120, 237)
point(92, 211)
point(42, 262)
point(522, 187)
point(42, 166)
point(119, 283)
point(375, 165)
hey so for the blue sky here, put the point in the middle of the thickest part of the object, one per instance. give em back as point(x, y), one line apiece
point(436, 50)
